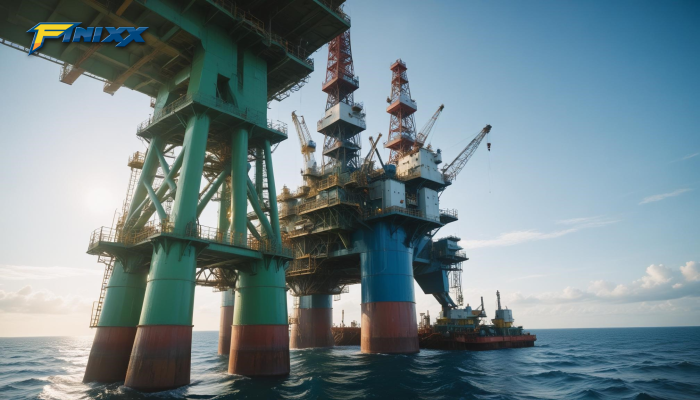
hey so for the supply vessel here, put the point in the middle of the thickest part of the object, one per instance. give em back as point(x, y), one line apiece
point(462, 329)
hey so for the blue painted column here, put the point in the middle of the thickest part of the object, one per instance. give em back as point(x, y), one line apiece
point(314, 319)
point(388, 301)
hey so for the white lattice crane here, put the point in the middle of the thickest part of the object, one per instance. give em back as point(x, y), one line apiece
point(452, 169)
point(425, 132)
point(308, 146)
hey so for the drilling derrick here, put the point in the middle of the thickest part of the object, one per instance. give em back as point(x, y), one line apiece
point(402, 124)
point(344, 119)
point(319, 217)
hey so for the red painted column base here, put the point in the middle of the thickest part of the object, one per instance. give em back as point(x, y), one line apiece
point(389, 327)
point(259, 350)
point(160, 359)
point(313, 328)
point(109, 356)
point(225, 322)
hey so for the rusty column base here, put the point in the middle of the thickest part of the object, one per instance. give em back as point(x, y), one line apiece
point(389, 327)
point(225, 322)
point(259, 350)
point(313, 328)
point(109, 356)
point(161, 358)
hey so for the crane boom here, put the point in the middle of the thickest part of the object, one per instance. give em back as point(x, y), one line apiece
point(308, 146)
point(452, 169)
point(370, 155)
point(425, 132)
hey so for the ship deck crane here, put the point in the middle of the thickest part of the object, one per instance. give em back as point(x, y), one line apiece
point(308, 146)
point(422, 136)
point(453, 169)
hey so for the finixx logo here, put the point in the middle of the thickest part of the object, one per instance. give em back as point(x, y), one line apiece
point(68, 30)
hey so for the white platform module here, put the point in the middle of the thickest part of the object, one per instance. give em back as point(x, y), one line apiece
point(393, 193)
point(424, 162)
point(429, 203)
point(342, 112)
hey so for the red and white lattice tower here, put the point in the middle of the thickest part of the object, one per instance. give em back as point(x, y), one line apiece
point(402, 125)
point(344, 119)
point(340, 80)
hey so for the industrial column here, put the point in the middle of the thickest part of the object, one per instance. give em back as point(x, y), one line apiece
point(388, 301)
point(160, 359)
point(116, 329)
point(227, 296)
point(225, 321)
point(259, 336)
point(314, 319)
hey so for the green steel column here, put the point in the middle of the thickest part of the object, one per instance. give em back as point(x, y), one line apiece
point(272, 193)
point(260, 333)
point(160, 359)
point(239, 179)
point(224, 207)
point(259, 172)
point(228, 296)
point(121, 307)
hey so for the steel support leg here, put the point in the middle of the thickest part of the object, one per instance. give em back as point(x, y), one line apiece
point(225, 321)
point(314, 319)
point(116, 329)
point(121, 308)
point(388, 300)
point(260, 332)
point(160, 359)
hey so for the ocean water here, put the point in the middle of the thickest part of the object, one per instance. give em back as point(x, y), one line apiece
point(633, 363)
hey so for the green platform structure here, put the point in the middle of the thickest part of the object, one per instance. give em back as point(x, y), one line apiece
point(211, 67)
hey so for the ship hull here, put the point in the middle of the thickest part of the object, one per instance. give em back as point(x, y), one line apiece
point(428, 339)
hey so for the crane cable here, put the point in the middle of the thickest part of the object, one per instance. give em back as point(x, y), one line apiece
point(488, 143)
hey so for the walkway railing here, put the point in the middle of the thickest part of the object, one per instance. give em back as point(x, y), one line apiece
point(252, 116)
point(106, 234)
point(258, 26)
point(447, 212)
point(400, 210)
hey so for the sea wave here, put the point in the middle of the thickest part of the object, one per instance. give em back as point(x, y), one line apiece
point(564, 364)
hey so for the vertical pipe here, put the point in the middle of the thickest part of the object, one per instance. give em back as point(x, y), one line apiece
point(239, 179)
point(228, 296)
point(259, 157)
point(226, 321)
point(388, 302)
point(121, 307)
point(161, 356)
point(314, 319)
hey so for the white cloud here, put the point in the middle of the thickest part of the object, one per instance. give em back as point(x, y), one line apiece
point(518, 237)
point(656, 275)
point(663, 196)
point(657, 284)
point(20, 272)
point(689, 156)
point(691, 271)
point(27, 301)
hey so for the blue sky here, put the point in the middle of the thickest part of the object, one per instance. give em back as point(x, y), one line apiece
point(585, 213)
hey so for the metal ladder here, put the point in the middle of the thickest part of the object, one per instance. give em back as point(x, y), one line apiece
point(97, 305)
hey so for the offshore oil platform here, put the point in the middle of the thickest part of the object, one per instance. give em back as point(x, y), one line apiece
point(355, 222)
point(210, 68)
